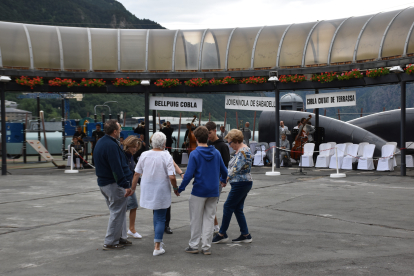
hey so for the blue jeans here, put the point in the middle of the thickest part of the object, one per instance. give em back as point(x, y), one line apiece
point(234, 204)
point(159, 224)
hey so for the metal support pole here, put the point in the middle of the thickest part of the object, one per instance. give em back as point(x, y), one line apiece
point(118, 117)
point(3, 131)
point(110, 116)
point(95, 118)
point(154, 121)
point(24, 144)
point(403, 123)
point(277, 134)
point(63, 129)
point(147, 115)
point(317, 142)
point(103, 118)
point(38, 122)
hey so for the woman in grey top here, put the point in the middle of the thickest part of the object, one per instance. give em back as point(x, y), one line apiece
point(241, 183)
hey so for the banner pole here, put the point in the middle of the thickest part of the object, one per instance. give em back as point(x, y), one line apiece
point(254, 124)
point(179, 128)
point(237, 121)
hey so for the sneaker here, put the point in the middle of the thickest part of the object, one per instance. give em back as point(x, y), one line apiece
point(243, 239)
point(220, 239)
point(113, 247)
point(216, 229)
point(135, 235)
point(158, 252)
point(124, 242)
point(206, 252)
point(191, 250)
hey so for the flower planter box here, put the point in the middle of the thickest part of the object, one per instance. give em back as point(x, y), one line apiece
point(406, 77)
point(341, 83)
point(295, 85)
point(390, 78)
point(126, 89)
point(256, 87)
point(159, 89)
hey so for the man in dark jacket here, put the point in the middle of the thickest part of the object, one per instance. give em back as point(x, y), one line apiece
point(114, 178)
point(219, 144)
point(168, 131)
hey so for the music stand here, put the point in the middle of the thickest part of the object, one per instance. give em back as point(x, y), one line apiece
point(300, 172)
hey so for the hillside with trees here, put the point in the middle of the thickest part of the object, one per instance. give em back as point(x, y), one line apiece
point(73, 13)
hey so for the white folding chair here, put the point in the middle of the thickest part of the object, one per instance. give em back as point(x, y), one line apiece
point(340, 152)
point(253, 147)
point(366, 162)
point(385, 163)
point(409, 158)
point(351, 157)
point(332, 151)
point(361, 148)
point(322, 160)
point(396, 151)
point(259, 156)
point(306, 159)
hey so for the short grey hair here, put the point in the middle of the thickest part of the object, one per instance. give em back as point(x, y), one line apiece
point(110, 126)
point(158, 140)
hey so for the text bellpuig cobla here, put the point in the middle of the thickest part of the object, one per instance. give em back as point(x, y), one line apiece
point(176, 104)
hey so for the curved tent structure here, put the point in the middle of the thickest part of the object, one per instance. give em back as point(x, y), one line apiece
point(315, 46)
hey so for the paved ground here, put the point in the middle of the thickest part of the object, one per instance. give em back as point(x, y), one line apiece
point(53, 223)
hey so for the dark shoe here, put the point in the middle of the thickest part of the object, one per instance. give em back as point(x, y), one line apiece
point(167, 230)
point(113, 247)
point(124, 242)
point(191, 250)
point(206, 252)
point(243, 239)
point(220, 239)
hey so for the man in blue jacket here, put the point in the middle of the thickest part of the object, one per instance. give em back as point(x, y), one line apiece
point(114, 178)
point(206, 166)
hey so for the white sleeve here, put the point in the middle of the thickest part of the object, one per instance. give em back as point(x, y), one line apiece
point(138, 167)
point(170, 165)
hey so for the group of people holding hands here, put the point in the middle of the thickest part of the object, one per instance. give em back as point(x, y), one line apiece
point(209, 167)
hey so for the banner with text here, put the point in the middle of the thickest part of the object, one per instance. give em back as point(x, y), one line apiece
point(176, 104)
point(250, 103)
point(347, 98)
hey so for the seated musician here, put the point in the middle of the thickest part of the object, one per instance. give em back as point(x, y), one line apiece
point(284, 144)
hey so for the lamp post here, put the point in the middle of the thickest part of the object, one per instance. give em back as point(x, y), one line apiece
point(3, 79)
point(397, 70)
point(146, 83)
point(273, 77)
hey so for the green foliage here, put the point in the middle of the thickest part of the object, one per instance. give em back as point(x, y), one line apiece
point(74, 13)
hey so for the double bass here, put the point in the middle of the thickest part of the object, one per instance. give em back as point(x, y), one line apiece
point(300, 140)
point(191, 138)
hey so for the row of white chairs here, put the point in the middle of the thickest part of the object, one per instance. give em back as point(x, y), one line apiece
point(348, 153)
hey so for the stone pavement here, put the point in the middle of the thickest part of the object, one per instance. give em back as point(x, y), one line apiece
point(53, 223)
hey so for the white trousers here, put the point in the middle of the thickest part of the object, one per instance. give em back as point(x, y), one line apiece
point(202, 213)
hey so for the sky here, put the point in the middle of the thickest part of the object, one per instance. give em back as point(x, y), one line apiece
point(213, 14)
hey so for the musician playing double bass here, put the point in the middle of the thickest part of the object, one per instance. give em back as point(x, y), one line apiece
point(301, 139)
point(189, 137)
